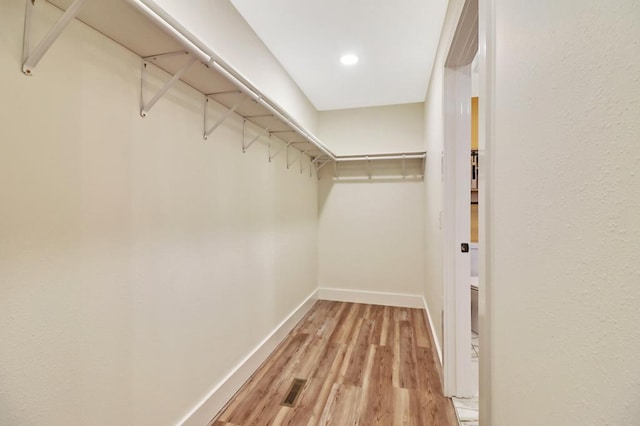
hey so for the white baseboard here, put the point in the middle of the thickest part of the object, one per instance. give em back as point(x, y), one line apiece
point(216, 399)
point(436, 341)
point(371, 297)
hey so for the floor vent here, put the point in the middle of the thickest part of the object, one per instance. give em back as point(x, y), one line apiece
point(293, 393)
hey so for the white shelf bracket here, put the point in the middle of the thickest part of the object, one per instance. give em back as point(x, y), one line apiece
point(208, 132)
point(145, 108)
point(288, 163)
point(320, 166)
point(315, 162)
point(335, 170)
point(30, 59)
point(271, 157)
point(299, 157)
point(254, 140)
point(310, 165)
point(369, 167)
point(165, 55)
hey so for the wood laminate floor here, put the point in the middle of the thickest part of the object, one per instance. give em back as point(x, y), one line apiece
point(364, 365)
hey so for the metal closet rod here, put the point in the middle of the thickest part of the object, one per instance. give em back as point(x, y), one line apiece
point(197, 48)
point(373, 157)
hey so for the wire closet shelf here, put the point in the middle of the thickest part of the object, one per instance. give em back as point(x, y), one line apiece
point(148, 31)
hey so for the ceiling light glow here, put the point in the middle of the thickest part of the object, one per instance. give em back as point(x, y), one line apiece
point(349, 59)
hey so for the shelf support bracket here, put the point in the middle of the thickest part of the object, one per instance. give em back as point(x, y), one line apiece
point(271, 157)
point(254, 140)
point(316, 162)
point(166, 55)
point(30, 59)
point(321, 165)
point(144, 108)
point(299, 157)
point(368, 167)
point(312, 162)
point(221, 120)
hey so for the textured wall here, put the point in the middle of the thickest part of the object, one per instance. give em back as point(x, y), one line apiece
point(375, 130)
point(565, 213)
point(138, 263)
point(369, 235)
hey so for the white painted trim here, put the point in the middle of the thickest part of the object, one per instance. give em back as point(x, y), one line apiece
point(221, 393)
point(402, 300)
point(457, 188)
point(457, 265)
point(434, 336)
point(486, 121)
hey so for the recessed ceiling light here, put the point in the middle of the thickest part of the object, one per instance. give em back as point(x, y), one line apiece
point(349, 59)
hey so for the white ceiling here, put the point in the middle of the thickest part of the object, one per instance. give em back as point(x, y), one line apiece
point(396, 43)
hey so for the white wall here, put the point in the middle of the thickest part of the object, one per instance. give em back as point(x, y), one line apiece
point(373, 130)
point(138, 262)
point(220, 27)
point(369, 235)
point(564, 252)
point(434, 139)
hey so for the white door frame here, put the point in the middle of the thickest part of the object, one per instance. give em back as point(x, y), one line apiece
point(456, 204)
point(486, 57)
